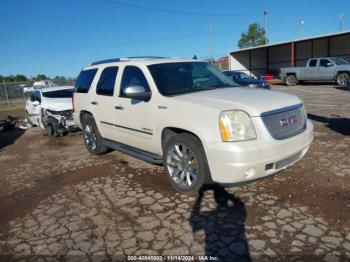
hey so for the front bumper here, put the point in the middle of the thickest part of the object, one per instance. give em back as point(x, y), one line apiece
point(238, 162)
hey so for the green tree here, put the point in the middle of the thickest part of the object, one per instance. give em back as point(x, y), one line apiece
point(253, 37)
point(20, 78)
point(40, 77)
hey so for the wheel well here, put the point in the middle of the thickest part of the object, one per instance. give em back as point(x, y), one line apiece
point(339, 72)
point(289, 74)
point(169, 132)
point(82, 113)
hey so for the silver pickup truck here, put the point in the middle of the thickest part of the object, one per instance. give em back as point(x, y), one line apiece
point(323, 69)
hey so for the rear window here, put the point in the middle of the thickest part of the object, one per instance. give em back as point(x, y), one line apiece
point(84, 80)
point(67, 93)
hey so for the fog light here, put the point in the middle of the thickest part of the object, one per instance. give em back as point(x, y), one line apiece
point(250, 173)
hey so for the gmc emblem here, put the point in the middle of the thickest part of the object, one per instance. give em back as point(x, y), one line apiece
point(288, 121)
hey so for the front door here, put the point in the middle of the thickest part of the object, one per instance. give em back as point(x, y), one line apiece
point(134, 117)
point(33, 108)
point(326, 70)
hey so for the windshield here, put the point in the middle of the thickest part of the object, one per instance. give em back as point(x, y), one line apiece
point(67, 93)
point(245, 76)
point(339, 61)
point(185, 77)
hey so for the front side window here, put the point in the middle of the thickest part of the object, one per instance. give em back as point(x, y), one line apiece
point(324, 62)
point(185, 77)
point(36, 96)
point(106, 82)
point(313, 63)
point(84, 80)
point(133, 76)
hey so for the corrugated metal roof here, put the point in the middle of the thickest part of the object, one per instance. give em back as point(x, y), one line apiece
point(290, 41)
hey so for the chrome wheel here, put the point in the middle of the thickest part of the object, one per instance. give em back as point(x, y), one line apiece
point(182, 165)
point(90, 137)
point(343, 79)
point(291, 80)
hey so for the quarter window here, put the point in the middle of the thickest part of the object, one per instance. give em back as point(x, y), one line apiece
point(133, 76)
point(106, 83)
point(84, 80)
point(313, 63)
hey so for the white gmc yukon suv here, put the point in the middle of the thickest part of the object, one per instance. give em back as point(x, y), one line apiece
point(188, 116)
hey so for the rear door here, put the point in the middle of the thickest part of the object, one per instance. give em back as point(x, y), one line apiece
point(312, 70)
point(103, 102)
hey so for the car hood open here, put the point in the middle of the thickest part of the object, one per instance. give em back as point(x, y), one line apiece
point(253, 101)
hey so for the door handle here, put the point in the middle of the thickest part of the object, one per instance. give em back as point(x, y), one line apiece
point(94, 103)
point(119, 107)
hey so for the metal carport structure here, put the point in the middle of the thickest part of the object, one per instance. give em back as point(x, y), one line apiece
point(269, 58)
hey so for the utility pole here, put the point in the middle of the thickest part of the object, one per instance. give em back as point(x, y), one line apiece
point(211, 40)
point(341, 22)
point(265, 24)
point(302, 28)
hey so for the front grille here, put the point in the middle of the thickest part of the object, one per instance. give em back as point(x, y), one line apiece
point(285, 122)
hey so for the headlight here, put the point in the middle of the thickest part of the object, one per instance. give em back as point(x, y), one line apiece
point(236, 126)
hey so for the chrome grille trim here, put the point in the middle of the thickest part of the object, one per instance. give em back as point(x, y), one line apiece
point(272, 121)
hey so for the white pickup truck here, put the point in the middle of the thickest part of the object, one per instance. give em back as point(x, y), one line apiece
point(323, 69)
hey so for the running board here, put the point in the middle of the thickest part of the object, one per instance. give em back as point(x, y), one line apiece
point(135, 152)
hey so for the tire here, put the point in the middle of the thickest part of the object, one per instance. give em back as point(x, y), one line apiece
point(92, 137)
point(186, 172)
point(291, 80)
point(51, 127)
point(342, 79)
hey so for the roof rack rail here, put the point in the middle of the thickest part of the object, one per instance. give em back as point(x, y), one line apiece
point(105, 61)
point(126, 59)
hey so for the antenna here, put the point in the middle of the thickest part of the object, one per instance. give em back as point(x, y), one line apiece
point(211, 40)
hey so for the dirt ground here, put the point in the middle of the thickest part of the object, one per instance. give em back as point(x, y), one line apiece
point(58, 200)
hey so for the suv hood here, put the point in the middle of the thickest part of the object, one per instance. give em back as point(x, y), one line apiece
point(253, 101)
point(57, 104)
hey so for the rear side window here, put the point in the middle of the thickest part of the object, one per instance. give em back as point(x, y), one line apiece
point(133, 76)
point(106, 83)
point(84, 80)
point(313, 63)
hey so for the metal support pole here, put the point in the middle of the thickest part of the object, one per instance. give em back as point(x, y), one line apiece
point(7, 95)
point(265, 24)
point(341, 22)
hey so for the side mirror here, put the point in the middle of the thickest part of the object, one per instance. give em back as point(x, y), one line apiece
point(36, 103)
point(137, 92)
point(328, 64)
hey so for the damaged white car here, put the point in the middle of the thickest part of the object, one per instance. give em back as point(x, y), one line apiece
point(51, 109)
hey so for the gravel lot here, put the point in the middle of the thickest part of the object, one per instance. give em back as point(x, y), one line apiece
point(57, 200)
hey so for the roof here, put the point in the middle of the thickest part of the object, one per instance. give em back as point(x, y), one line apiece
point(290, 41)
point(141, 60)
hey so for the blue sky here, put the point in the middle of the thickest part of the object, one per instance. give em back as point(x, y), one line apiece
point(59, 37)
